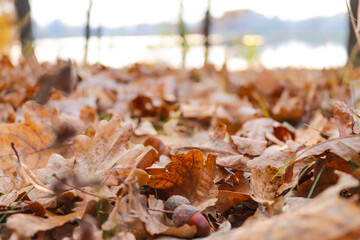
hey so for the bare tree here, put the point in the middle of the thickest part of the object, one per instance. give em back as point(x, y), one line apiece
point(206, 31)
point(26, 33)
point(87, 31)
point(182, 33)
point(352, 49)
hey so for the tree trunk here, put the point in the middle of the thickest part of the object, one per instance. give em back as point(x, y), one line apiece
point(87, 31)
point(207, 24)
point(26, 33)
point(352, 50)
point(182, 33)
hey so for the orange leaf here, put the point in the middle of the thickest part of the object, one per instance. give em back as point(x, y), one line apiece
point(35, 139)
point(188, 175)
point(263, 185)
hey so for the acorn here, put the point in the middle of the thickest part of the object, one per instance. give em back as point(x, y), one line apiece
point(188, 214)
point(173, 202)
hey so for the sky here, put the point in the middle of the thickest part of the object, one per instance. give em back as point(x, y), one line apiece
point(116, 13)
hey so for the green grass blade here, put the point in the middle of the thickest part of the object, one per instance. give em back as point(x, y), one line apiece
point(156, 193)
point(282, 168)
point(316, 181)
point(301, 174)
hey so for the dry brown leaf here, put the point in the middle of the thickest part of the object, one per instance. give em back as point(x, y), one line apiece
point(56, 164)
point(106, 151)
point(263, 185)
point(276, 156)
point(26, 225)
point(148, 159)
point(312, 135)
point(257, 128)
point(228, 199)
point(345, 147)
point(30, 178)
point(61, 77)
point(131, 214)
point(326, 179)
point(157, 144)
point(221, 144)
point(288, 108)
point(87, 229)
point(188, 175)
point(35, 139)
point(249, 146)
point(145, 128)
point(326, 217)
point(344, 118)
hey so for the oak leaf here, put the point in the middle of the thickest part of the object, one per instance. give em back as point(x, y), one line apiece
point(249, 146)
point(263, 185)
point(188, 175)
point(35, 139)
point(220, 144)
point(344, 118)
point(345, 147)
point(328, 216)
point(107, 151)
point(131, 214)
point(26, 225)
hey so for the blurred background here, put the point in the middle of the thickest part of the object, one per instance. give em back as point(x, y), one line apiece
point(242, 34)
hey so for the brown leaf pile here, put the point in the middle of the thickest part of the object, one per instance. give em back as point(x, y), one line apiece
point(97, 151)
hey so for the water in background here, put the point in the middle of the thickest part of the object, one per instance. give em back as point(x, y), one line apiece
point(121, 51)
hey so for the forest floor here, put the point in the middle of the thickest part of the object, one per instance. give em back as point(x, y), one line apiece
point(94, 152)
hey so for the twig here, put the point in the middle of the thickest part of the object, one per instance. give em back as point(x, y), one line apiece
point(307, 125)
point(353, 24)
point(77, 188)
point(106, 178)
point(160, 210)
point(123, 181)
point(14, 149)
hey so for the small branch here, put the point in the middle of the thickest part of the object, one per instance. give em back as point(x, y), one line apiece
point(107, 177)
point(160, 210)
point(14, 149)
point(353, 24)
point(77, 188)
point(307, 125)
point(123, 181)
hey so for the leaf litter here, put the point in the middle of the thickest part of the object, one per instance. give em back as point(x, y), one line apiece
point(262, 155)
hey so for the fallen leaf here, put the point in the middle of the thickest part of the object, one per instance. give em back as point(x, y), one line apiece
point(257, 128)
point(311, 135)
point(263, 185)
point(288, 108)
point(188, 175)
point(87, 229)
point(249, 146)
point(107, 151)
point(228, 199)
point(328, 216)
point(157, 144)
point(326, 179)
point(276, 156)
point(26, 225)
point(221, 144)
point(344, 119)
point(35, 139)
point(345, 147)
point(145, 128)
point(131, 214)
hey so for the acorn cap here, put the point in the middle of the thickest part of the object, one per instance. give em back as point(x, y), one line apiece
point(173, 202)
point(183, 213)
